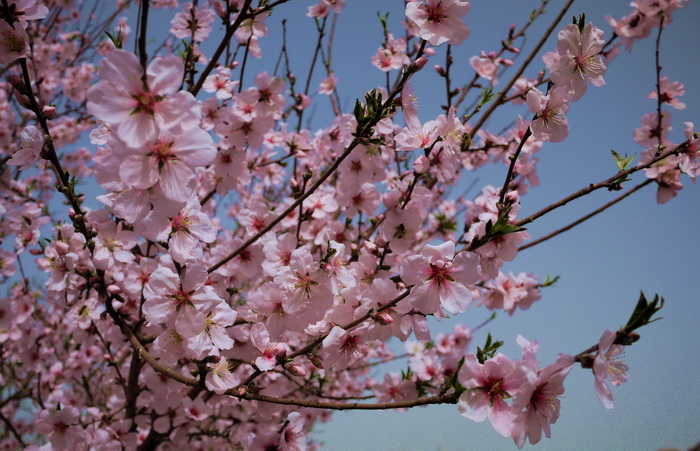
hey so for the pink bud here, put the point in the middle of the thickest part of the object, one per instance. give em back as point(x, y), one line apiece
point(295, 369)
point(62, 248)
point(35, 251)
point(369, 247)
point(506, 62)
point(421, 164)
point(440, 71)
point(384, 318)
point(23, 100)
point(49, 112)
point(316, 361)
point(220, 10)
point(429, 51)
point(279, 350)
point(113, 289)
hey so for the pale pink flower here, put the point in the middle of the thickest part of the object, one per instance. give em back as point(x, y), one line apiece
point(270, 350)
point(669, 91)
point(439, 21)
point(220, 82)
point(541, 402)
point(395, 389)
point(14, 43)
point(342, 348)
point(24, 10)
point(183, 27)
point(176, 300)
point(31, 145)
point(219, 377)
point(169, 160)
point(137, 113)
point(579, 59)
point(608, 363)
point(293, 437)
point(190, 228)
point(487, 65)
point(327, 85)
point(441, 279)
point(113, 244)
point(550, 123)
point(489, 385)
point(61, 426)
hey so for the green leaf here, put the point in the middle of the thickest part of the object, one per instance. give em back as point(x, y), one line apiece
point(643, 311)
point(622, 162)
point(116, 40)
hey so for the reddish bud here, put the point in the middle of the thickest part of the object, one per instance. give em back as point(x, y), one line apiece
point(36, 251)
point(316, 361)
point(220, 10)
point(295, 369)
point(440, 71)
point(280, 351)
point(49, 112)
point(384, 318)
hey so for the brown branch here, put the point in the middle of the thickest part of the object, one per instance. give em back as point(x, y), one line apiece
point(587, 217)
point(528, 60)
point(222, 46)
point(608, 183)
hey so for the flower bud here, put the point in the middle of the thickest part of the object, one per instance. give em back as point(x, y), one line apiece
point(113, 289)
point(62, 248)
point(384, 318)
point(279, 350)
point(220, 10)
point(440, 71)
point(17, 83)
point(369, 247)
point(316, 361)
point(35, 251)
point(49, 112)
point(295, 369)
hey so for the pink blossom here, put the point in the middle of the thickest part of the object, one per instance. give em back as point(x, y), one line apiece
point(169, 160)
point(608, 363)
point(14, 43)
point(670, 90)
point(62, 427)
point(138, 112)
point(541, 402)
point(31, 145)
point(342, 348)
point(440, 279)
point(184, 26)
point(293, 436)
point(579, 59)
point(550, 123)
point(177, 300)
point(489, 385)
point(439, 21)
point(327, 85)
point(24, 10)
point(190, 228)
point(219, 377)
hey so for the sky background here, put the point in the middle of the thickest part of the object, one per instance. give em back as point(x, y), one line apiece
point(603, 263)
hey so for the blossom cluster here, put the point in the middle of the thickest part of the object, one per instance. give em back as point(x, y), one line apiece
point(241, 270)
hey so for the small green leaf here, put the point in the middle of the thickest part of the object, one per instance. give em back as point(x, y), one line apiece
point(622, 162)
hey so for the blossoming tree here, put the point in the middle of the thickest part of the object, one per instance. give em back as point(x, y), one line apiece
point(237, 275)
